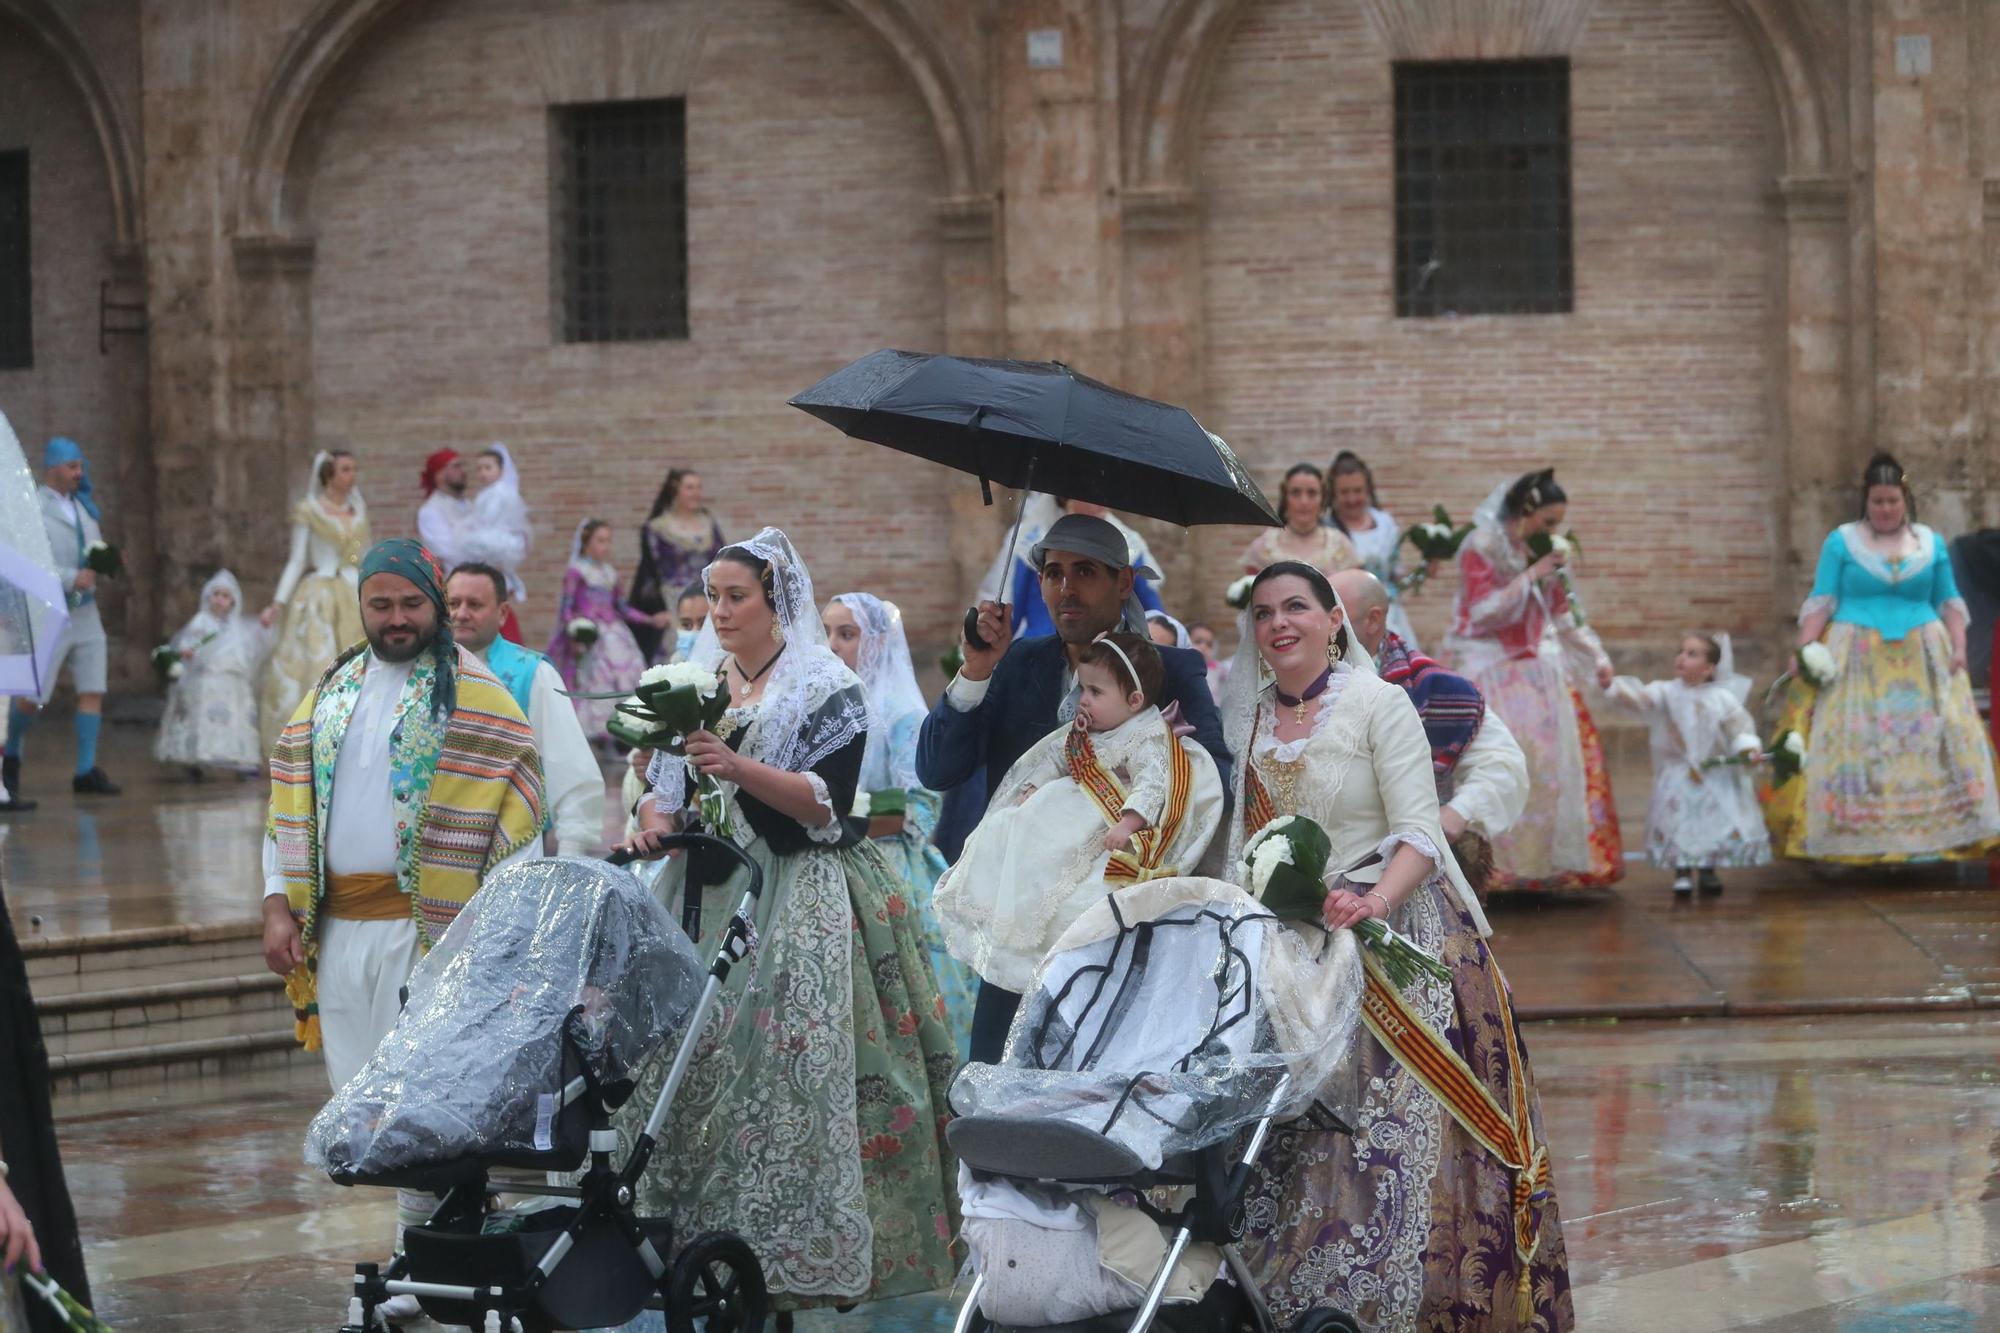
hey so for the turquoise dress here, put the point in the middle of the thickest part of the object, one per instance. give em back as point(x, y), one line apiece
point(919, 865)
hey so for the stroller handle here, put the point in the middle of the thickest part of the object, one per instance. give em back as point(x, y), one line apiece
point(707, 842)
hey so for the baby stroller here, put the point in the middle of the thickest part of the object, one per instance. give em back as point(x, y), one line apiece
point(1167, 1031)
point(521, 1033)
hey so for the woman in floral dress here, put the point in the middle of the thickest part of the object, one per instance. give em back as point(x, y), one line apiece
point(866, 633)
point(812, 1120)
point(319, 592)
point(1897, 767)
point(676, 543)
point(1303, 538)
point(613, 661)
point(1413, 1221)
point(1516, 636)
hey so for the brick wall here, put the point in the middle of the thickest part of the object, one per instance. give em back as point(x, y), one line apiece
point(812, 240)
point(1655, 398)
point(71, 389)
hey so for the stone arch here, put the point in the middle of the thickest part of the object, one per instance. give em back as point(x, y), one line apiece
point(268, 200)
point(1178, 63)
point(121, 160)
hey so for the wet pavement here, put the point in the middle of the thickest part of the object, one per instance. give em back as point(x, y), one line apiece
point(1780, 1174)
point(1814, 1145)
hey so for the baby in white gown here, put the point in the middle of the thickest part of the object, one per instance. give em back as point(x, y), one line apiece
point(1115, 799)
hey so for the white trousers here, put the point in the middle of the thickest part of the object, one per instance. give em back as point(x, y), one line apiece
point(363, 967)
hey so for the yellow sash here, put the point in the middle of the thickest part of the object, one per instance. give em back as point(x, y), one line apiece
point(1150, 844)
point(1506, 1132)
point(365, 898)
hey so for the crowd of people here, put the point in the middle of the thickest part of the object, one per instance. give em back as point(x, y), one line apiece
point(922, 858)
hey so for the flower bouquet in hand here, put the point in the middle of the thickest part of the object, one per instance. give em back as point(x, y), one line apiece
point(74, 1314)
point(1435, 542)
point(104, 560)
point(670, 704)
point(582, 632)
point(1542, 544)
point(167, 664)
point(1812, 664)
point(1284, 867)
point(1786, 754)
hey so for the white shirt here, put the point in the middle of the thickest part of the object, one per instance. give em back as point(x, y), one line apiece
point(360, 833)
point(65, 519)
point(571, 779)
point(441, 524)
point(1489, 784)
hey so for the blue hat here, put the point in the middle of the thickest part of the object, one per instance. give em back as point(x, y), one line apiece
point(62, 449)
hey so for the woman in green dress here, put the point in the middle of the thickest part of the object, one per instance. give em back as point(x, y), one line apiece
point(812, 1121)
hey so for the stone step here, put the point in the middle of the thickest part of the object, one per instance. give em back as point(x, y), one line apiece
point(115, 959)
point(164, 1013)
point(112, 1079)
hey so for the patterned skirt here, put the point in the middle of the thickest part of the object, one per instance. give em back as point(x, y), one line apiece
point(919, 865)
point(1408, 1224)
point(321, 620)
point(1898, 768)
point(812, 1120)
point(1568, 836)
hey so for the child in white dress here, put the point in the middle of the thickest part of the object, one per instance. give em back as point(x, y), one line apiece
point(1702, 818)
point(211, 715)
point(1114, 799)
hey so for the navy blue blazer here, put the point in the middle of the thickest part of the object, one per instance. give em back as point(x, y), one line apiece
point(1020, 708)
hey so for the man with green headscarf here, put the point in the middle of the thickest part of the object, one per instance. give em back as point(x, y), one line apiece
point(405, 778)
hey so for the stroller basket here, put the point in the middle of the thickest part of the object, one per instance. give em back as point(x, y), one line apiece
point(601, 1282)
point(590, 1262)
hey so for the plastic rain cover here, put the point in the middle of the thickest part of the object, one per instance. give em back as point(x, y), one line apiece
point(1166, 1016)
point(465, 1072)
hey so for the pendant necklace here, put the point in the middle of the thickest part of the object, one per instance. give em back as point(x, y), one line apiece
point(1312, 692)
point(750, 680)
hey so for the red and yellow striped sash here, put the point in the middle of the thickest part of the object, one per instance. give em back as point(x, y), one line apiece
point(1506, 1132)
point(1150, 844)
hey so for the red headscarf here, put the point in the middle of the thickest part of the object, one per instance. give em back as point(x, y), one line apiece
point(434, 465)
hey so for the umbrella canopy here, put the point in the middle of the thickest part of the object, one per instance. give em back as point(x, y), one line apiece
point(1038, 425)
point(33, 609)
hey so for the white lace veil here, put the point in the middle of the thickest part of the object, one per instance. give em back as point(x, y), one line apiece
point(314, 490)
point(206, 622)
point(1725, 671)
point(1491, 515)
point(576, 538)
point(510, 476)
point(1249, 683)
point(812, 705)
point(890, 681)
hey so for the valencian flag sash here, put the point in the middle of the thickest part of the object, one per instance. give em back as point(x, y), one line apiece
point(1150, 844)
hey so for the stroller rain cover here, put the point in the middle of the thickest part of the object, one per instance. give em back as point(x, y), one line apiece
point(1166, 1016)
point(473, 1062)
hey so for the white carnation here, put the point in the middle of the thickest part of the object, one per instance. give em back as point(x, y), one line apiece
point(1796, 744)
point(1816, 664)
point(1560, 544)
point(864, 803)
point(95, 547)
point(1265, 855)
point(676, 675)
point(1745, 744)
point(1437, 532)
point(176, 670)
point(1238, 593)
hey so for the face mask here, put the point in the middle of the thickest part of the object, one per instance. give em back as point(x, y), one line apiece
point(684, 642)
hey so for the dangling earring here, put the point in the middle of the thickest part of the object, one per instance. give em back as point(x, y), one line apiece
point(1334, 652)
point(777, 632)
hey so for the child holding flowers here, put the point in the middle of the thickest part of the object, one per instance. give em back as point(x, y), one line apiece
point(609, 663)
point(1704, 815)
point(212, 667)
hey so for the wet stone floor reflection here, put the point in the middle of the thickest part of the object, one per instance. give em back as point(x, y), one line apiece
point(1784, 1174)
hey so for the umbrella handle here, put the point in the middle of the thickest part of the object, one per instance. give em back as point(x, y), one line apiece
point(972, 634)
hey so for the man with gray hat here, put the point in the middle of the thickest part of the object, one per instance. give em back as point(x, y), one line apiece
point(1010, 694)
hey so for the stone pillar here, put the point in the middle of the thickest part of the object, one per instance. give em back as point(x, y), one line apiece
point(271, 439)
point(1819, 462)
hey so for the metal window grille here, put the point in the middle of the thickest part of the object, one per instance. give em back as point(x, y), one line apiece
point(621, 228)
point(17, 342)
point(1483, 188)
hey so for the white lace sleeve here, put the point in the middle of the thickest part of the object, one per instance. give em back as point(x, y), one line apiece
point(831, 830)
point(1410, 838)
point(667, 776)
point(1813, 606)
point(1956, 604)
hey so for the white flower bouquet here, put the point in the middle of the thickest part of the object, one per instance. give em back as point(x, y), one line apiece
point(1237, 594)
point(670, 704)
point(1815, 665)
point(103, 559)
point(1284, 868)
point(167, 664)
point(1786, 754)
point(1566, 545)
point(1435, 542)
point(581, 631)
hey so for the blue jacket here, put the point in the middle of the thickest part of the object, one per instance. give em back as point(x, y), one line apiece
point(1020, 708)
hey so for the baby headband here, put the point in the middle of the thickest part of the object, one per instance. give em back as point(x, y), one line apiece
point(1130, 670)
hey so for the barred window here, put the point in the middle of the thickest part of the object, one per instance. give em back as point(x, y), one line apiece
point(1483, 188)
point(17, 342)
point(620, 192)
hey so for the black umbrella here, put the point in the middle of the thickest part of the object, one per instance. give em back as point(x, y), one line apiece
point(1040, 426)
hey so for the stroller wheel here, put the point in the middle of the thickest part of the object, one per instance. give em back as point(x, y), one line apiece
point(1325, 1321)
point(717, 1286)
